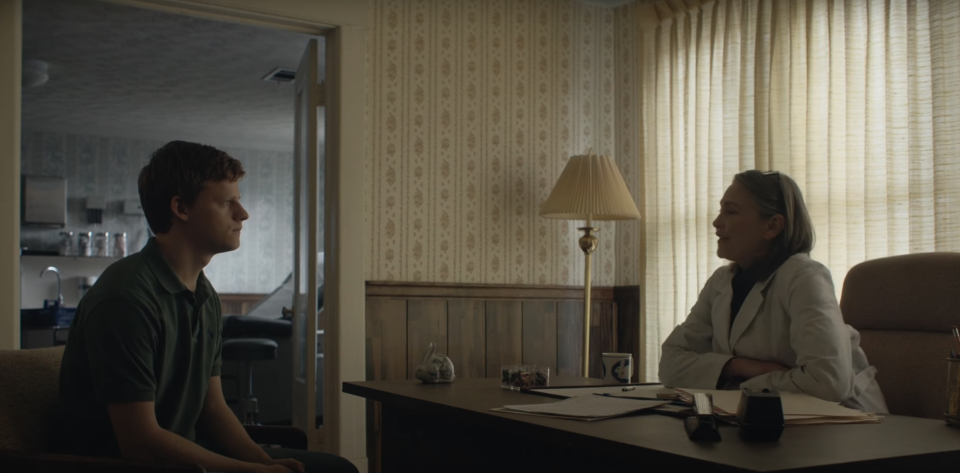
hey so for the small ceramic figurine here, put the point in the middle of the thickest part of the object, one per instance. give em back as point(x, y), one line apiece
point(435, 368)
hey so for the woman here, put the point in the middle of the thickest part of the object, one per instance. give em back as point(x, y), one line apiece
point(770, 319)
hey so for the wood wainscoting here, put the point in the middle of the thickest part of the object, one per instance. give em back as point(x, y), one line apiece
point(482, 327)
point(238, 303)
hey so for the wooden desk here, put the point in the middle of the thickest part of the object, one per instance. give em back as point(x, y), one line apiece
point(451, 428)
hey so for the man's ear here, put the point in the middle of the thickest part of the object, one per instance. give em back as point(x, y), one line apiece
point(178, 209)
point(774, 227)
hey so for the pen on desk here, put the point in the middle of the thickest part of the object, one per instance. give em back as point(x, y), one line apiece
point(956, 336)
point(629, 388)
point(632, 398)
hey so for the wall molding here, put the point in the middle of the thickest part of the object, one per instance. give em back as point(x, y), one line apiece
point(489, 291)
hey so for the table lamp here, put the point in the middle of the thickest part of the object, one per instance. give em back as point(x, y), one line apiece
point(589, 188)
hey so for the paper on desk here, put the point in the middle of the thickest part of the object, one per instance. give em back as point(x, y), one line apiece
point(552, 416)
point(794, 404)
point(819, 420)
point(648, 392)
point(586, 407)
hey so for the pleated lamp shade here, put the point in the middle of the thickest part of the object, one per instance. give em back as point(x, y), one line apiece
point(590, 188)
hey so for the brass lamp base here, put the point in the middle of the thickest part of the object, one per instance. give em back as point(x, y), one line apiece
point(588, 243)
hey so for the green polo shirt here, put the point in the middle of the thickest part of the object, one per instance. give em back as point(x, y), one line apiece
point(139, 335)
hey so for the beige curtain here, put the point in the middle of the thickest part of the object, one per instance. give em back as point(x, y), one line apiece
point(858, 100)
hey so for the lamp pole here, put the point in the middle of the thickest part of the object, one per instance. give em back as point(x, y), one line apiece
point(588, 243)
point(589, 187)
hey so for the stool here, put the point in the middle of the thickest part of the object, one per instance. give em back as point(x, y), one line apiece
point(247, 351)
point(244, 326)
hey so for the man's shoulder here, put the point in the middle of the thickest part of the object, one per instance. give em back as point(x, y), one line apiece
point(130, 279)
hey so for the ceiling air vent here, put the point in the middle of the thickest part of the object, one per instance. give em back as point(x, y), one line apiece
point(281, 75)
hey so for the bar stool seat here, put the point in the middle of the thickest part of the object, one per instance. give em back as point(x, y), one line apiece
point(249, 349)
point(245, 326)
point(246, 352)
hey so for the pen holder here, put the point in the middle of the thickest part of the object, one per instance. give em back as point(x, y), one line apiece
point(952, 415)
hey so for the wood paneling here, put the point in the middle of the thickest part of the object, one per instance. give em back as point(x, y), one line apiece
point(426, 322)
point(386, 340)
point(484, 291)
point(569, 337)
point(482, 327)
point(504, 342)
point(603, 335)
point(386, 336)
point(466, 337)
point(628, 324)
point(540, 334)
point(239, 304)
point(518, 325)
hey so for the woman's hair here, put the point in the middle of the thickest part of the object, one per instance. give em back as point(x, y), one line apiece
point(777, 193)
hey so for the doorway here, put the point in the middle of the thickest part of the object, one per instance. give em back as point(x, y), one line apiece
point(345, 130)
point(344, 416)
point(116, 82)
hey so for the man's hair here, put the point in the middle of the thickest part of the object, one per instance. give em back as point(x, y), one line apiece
point(180, 168)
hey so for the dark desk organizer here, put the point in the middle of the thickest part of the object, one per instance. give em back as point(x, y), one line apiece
point(760, 415)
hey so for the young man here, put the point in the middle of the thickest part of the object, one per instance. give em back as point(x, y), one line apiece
point(141, 371)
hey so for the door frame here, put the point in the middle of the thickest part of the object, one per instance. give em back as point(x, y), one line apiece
point(343, 22)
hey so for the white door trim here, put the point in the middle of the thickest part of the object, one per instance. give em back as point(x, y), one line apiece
point(345, 352)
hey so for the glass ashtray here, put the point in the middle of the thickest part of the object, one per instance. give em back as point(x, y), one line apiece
point(524, 376)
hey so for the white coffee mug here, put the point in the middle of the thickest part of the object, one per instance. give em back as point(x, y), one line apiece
point(617, 368)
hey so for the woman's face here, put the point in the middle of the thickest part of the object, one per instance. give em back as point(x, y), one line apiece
point(744, 237)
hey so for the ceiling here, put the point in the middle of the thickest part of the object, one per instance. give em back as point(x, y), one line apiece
point(122, 71)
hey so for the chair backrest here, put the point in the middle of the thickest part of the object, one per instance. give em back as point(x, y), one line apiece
point(903, 307)
point(29, 383)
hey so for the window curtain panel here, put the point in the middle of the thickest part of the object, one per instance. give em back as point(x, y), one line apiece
point(858, 100)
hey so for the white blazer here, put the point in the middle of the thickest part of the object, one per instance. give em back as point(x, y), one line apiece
point(793, 319)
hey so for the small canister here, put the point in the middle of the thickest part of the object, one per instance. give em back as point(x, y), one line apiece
point(66, 244)
point(120, 244)
point(952, 415)
point(83, 244)
point(101, 244)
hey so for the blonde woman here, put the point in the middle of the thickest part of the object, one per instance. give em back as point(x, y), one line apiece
point(770, 318)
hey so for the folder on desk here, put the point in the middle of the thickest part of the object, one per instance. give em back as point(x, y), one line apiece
point(583, 407)
point(635, 391)
point(798, 408)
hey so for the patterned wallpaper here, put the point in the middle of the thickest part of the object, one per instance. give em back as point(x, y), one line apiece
point(628, 140)
point(99, 165)
point(474, 108)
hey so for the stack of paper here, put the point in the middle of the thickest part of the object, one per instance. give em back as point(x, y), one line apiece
point(583, 407)
point(649, 391)
point(798, 408)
